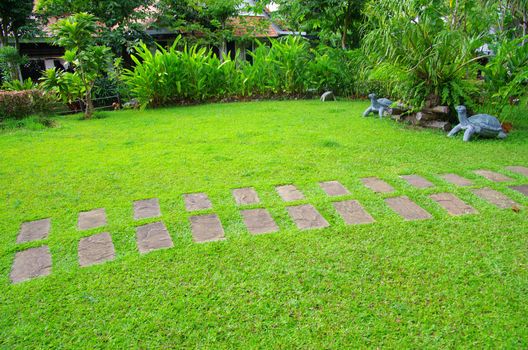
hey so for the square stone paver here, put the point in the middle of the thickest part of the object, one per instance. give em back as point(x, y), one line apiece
point(34, 230)
point(146, 209)
point(95, 249)
point(289, 193)
point(377, 185)
point(246, 196)
point(522, 189)
point(206, 228)
point(197, 201)
point(494, 197)
point(153, 237)
point(457, 180)
point(31, 263)
point(353, 213)
point(518, 169)
point(493, 176)
point(259, 221)
point(334, 188)
point(91, 219)
point(307, 217)
point(417, 181)
point(407, 208)
point(454, 205)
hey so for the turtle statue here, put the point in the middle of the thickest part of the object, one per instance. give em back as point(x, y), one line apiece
point(483, 125)
point(379, 105)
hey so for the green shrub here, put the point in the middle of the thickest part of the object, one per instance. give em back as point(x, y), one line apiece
point(20, 104)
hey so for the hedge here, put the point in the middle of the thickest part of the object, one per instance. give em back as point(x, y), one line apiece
point(20, 104)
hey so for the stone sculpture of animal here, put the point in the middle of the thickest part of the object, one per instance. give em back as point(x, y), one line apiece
point(377, 105)
point(483, 125)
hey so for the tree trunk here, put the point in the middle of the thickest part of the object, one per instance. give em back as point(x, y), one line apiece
point(346, 24)
point(17, 47)
point(89, 104)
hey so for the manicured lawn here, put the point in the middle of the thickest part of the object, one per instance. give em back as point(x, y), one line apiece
point(448, 282)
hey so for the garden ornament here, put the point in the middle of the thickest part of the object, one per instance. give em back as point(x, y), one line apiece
point(481, 124)
point(377, 105)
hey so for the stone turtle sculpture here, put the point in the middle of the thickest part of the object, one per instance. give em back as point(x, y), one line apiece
point(379, 105)
point(483, 125)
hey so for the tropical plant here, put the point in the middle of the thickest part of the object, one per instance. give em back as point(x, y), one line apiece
point(16, 85)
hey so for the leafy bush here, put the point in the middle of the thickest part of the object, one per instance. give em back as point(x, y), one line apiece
point(16, 85)
point(20, 104)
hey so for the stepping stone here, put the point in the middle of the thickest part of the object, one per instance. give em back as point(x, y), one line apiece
point(95, 249)
point(457, 180)
point(259, 221)
point(417, 181)
point(206, 228)
point(289, 193)
point(91, 219)
point(353, 213)
point(518, 169)
point(31, 263)
point(246, 196)
point(493, 176)
point(377, 185)
point(146, 209)
point(407, 208)
point(307, 217)
point(34, 230)
point(153, 237)
point(197, 201)
point(334, 188)
point(452, 204)
point(494, 197)
point(523, 189)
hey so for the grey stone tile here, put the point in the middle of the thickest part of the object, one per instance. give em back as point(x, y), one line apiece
point(95, 249)
point(197, 201)
point(91, 219)
point(34, 230)
point(493, 176)
point(407, 208)
point(522, 189)
point(494, 197)
point(334, 188)
point(454, 205)
point(146, 209)
point(353, 213)
point(519, 170)
point(377, 185)
point(306, 217)
point(246, 196)
point(457, 180)
point(259, 221)
point(289, 193)
point(153, 237)
point(417, 181)
point(31, 263)
point(206, 228)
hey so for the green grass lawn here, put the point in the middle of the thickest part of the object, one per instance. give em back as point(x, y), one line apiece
point(457, 282)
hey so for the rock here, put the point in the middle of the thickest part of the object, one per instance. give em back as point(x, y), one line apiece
point(437, 124)
point(327, 96)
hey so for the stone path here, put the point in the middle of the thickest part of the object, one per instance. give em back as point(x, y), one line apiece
point(377, 185)
point(495, 197)
point(353, 213)
point(407, 209)
point(206, 228)
point(518, 169)
point(153, 237)
point(246, 196)
point(457, 180)
point(31, 263)
point(306, 217)
point(334, 188)
point(289, 193)
point(417, 181)
point(259, 221)
point(197, 201)
point(522, 189)
point(454, 205)
point(146, 209)
point(91, 219)
point(493, 176)
point(95, 249)
point(34, 231)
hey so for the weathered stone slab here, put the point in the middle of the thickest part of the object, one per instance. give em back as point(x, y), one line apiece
point(407, 208)
point(153, 237)
point(306, 217)
point(523, 189)
point(289, 193)
point(206, 228)
point(457, 180)
point(197, 201)
point(377, 185)
point(95, 249)
point(246, 196)
point(146, 209)
point(91, 219)
point(494, 197)
point(519, 170)
point(454, 205)
point(31, 263)
point(493, 176)
point(353, 213)
point(259, 221)
point(34, 230)
point(417, 181)
point(334, 188)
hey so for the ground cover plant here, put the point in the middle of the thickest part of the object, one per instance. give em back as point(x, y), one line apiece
point(448, 282)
